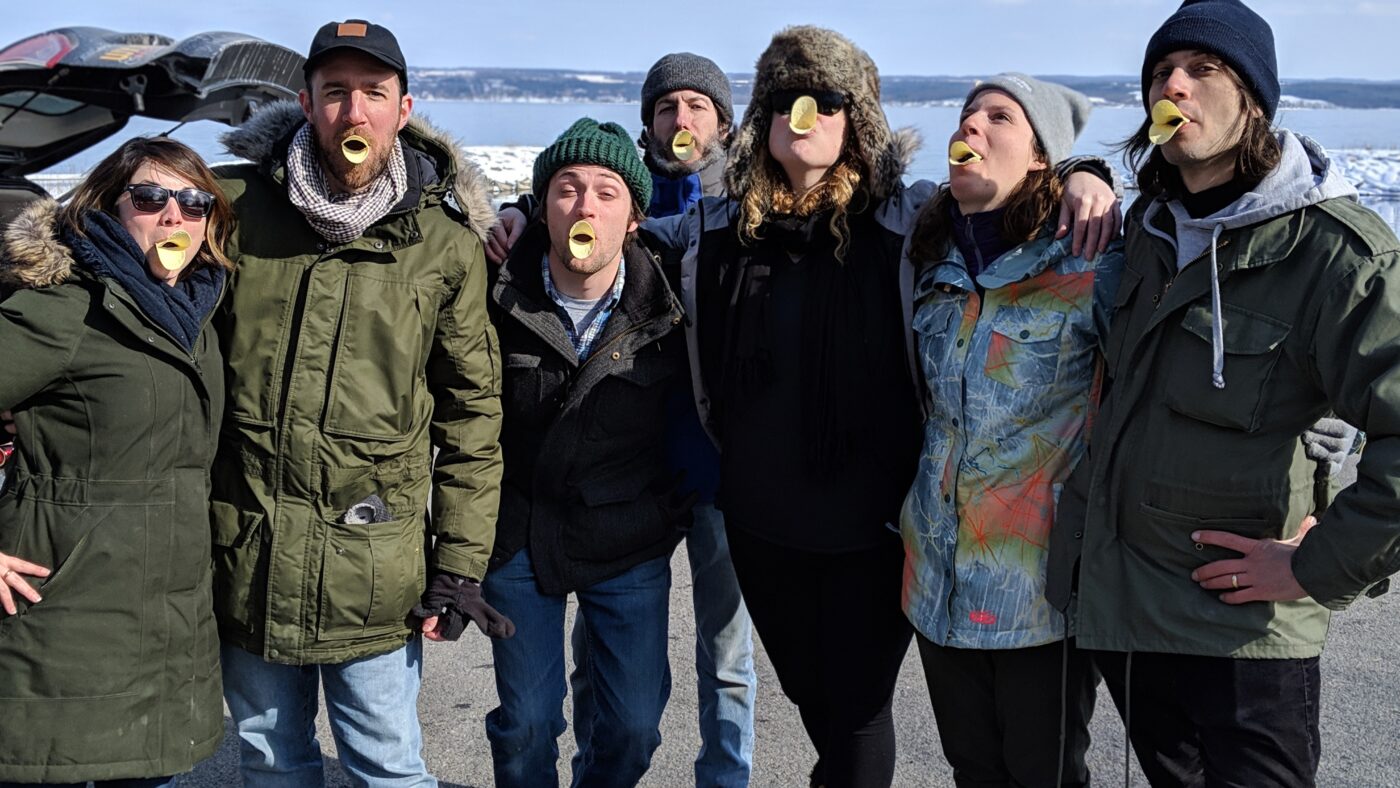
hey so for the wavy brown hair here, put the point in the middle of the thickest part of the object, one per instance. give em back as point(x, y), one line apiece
point(1257, 155)
point(1029, 206)
point(842, 190)
point(101, 189)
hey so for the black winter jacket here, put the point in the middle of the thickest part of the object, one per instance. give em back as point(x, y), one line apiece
point(585, 486)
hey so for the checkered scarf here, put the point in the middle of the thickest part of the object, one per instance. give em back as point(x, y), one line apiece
point(342, 218)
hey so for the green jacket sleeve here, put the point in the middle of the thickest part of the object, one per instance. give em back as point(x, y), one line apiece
point(1356, 357)
point(39, 332)
point(464, 378)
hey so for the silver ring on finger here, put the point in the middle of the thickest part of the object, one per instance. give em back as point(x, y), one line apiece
point(1235, 581)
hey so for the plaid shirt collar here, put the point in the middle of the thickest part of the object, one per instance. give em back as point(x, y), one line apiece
point(583, 340)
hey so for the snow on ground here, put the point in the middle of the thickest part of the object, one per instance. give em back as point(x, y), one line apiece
point(509, 166)
point(1374, 173)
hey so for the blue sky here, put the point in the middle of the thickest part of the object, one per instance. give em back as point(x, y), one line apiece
point(1315, 38)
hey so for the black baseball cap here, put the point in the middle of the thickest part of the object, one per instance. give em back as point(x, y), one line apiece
point(374, 40)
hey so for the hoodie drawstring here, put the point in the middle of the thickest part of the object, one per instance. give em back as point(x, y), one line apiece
point(1217, 325)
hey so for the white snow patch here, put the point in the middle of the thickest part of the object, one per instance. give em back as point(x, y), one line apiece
point(504, 164)
point(1293, 102)
point(1374, 173)
point(598, 79)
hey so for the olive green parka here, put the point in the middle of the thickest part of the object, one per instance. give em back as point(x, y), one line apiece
point(115, 673)
point(366, 368)
point(1309, 323)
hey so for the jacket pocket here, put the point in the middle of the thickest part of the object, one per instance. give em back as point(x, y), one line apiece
point(87, 633)
point(262, 293)
point(237, 537)
point(1024, 346)
point(380, 357)
point(631, 398)
point(372, 574)
point(1253, 346)
point(615, 518)
point(521, 386)
point(1165, 536)
point(932, 323)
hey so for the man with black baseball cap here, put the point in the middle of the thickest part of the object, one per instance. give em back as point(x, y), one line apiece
point(357, 483)
point(374, 40)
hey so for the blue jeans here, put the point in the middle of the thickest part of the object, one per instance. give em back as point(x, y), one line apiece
point(139, 782)
point(627, 670)
point(727, 682)
point(372, 703)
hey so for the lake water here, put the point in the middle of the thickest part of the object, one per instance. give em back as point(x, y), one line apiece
point(502, 123)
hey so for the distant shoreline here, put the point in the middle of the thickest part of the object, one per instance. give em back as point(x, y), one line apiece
point(545, 86)
point(1284, 102)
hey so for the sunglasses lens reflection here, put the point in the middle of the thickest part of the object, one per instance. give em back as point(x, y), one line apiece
point(192, 202)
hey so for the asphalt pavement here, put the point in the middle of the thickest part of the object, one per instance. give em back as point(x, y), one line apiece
point(1360, 714)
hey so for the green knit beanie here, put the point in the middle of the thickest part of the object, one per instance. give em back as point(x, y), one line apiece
point(604, 144)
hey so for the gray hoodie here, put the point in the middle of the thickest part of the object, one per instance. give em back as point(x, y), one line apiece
point(1303, 177)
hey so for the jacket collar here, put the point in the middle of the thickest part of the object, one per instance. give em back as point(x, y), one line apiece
point(1020, 263)
point(436, 163)
point(32, 254)
point(520, 293)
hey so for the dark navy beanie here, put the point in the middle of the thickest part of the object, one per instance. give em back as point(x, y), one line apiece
point(1227, 29)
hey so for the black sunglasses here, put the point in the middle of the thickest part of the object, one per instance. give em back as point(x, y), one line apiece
point(150, 198)
point(829, 102)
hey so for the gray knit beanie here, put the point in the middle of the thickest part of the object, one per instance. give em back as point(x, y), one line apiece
point(589, 142)
point(687, 71)
point(1057, 114)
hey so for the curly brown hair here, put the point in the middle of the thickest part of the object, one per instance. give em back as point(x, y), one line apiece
point(842, 190)
point(102, 187)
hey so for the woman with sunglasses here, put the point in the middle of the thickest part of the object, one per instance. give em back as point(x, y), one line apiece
point(108, 649)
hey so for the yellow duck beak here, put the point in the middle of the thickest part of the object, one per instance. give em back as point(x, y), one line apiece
point(171, 251)
point(355, 149)
point(1167, 120)
point(683, 145)
point(581, 240)
point(803, 117)
point(960, 153)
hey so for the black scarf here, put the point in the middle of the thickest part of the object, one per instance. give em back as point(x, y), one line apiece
point(110, 251)
point(832, 336)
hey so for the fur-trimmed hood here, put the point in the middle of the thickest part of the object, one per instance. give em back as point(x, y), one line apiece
point(264, 136)
point(31, 255)
point(821, 59)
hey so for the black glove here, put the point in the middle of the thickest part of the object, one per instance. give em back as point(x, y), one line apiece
point(454, 599)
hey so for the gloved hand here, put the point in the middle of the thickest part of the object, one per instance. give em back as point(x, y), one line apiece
point(1329, 441)
point(454, 599)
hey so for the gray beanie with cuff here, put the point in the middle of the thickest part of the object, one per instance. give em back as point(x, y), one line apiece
point(1057, 114)
point(687, 71)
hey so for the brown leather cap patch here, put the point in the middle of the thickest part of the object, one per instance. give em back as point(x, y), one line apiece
point(352, 29)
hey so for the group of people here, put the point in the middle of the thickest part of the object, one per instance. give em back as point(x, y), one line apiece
point(279, 422)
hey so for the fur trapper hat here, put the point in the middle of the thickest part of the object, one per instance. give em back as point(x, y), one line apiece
point(818, 59)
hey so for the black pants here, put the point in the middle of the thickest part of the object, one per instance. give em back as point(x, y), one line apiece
point(833, 628)
point(1216, 721)
point(999, 712)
